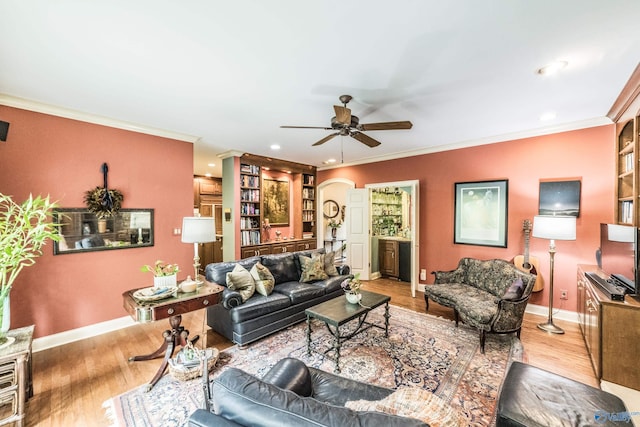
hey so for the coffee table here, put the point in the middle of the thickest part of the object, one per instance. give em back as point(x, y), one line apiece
point(337, 312)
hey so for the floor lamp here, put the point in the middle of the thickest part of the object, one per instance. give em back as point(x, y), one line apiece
point(553, 228)
point(196, 230)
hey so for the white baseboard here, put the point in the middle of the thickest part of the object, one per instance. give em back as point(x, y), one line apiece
point(541, 310)
point(78, 334)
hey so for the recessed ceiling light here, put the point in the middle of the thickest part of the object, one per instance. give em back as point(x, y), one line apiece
point(211, 165)
point(549, 115)
point(326, 162)
point(552, 68)
point(275, 147)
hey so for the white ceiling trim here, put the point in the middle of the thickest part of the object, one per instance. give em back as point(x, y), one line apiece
point(581, 124)
point(39, 107)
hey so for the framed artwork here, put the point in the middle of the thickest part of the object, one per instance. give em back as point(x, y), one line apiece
point(481, 213)
point(559, 198)
point(275, 201)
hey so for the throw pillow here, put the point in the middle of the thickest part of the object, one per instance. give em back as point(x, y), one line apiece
point(515, 291)
point(416, 403)
point(263, 278)
point(239, 279)
point(329, 266)
point(312, 268)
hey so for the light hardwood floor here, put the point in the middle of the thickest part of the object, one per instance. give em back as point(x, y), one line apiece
point(72, 381)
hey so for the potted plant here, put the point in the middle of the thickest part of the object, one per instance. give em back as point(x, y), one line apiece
point(164, 274)
point(24, 230)
point(351, 288)
point(334, 225)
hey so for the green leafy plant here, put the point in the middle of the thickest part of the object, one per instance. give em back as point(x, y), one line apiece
point(160, 268)
point(334, 223)
point(352, 285)
point(24, 230)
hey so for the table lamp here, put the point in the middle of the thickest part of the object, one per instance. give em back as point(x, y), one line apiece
point(553, 228)
point(198, 230)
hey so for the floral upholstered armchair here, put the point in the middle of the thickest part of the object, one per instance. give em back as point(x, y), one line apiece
point(489, 295)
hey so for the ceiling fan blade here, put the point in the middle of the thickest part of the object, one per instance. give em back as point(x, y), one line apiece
point(386, 126)
point(326, 138)
point(343, 114)
point(365, 139)
point(306, 127)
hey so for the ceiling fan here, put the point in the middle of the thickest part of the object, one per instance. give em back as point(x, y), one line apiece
point(348, 125)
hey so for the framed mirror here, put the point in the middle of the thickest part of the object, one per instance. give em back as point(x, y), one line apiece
point(82, 231)
point(330, 209)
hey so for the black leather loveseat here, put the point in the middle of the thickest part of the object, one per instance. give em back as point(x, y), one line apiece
point(260, 315)
point(292, 394)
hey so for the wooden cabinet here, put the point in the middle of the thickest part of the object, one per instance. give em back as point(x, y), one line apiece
point(388, 257)
point(305, 245)
point(204, 187)
point(256, 250)
point(207, 199)
point(280, 247)
point(626, 114)
point(610, 331)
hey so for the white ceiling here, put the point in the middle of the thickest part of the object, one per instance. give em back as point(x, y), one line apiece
point(232, 72)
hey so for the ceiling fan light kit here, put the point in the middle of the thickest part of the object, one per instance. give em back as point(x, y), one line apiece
point(347, 124)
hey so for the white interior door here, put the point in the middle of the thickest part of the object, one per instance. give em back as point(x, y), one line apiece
point(357, 221)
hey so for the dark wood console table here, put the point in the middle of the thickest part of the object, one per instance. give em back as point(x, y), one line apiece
point(170, 308)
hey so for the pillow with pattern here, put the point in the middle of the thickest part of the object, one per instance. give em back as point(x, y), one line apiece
point(239, 279)
point(416, 403)
point(329, 266)
point(514, 291)
point(312, 268)
point(263, 278)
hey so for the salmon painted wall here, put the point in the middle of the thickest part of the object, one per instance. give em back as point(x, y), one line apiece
point(45, 154)
point(586, 154)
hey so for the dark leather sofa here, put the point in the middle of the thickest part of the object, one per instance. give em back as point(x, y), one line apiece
point(292, 394)
point(260, 315)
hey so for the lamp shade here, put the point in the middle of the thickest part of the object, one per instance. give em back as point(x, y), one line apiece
point(198, 229)
point(554, 227)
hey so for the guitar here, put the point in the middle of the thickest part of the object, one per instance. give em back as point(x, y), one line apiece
point(525, 262)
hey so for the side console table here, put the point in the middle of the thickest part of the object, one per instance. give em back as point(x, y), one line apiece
point(16, 385)
point(170, 308)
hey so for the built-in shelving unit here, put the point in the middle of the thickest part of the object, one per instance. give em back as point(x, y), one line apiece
point(250, 204)
point(626, 115)
point(387, 212)
point(308, 205)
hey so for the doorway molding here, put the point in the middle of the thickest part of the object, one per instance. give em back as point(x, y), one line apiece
point(320, 202)
point(415, 223)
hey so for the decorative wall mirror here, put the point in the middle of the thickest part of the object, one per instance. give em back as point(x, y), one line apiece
point(82, 231)
point(330, 209)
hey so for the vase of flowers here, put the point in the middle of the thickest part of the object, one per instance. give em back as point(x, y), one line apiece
point(334, 225)
point(164, 275)
point(351, 288)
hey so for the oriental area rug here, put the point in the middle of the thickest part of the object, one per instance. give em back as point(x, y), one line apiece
point(421, 351)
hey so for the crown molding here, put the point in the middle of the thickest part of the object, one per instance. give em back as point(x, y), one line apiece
point(230, 153)
point(582, 124)
point(39, 107)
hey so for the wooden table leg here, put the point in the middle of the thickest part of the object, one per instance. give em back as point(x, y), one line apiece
point(176, 336)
